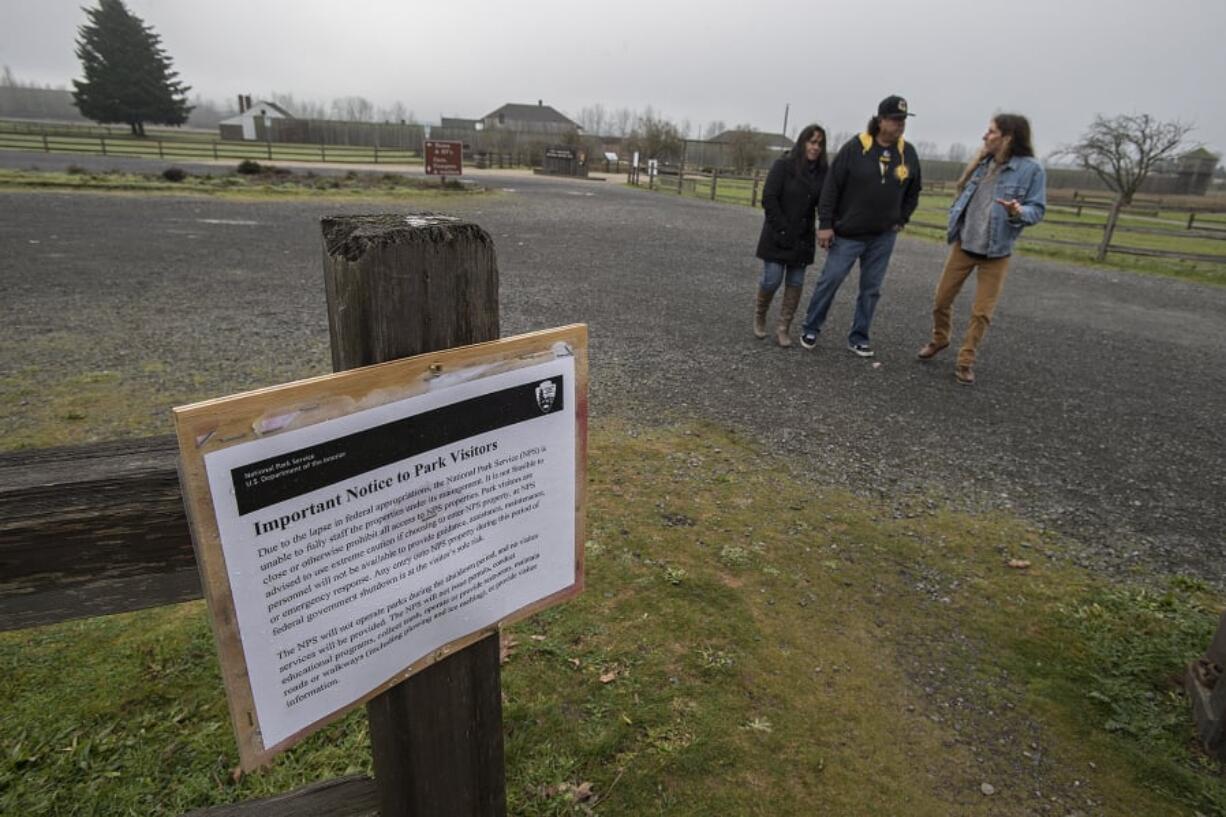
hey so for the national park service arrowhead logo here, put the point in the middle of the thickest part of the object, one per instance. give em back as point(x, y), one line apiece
point(546, 391)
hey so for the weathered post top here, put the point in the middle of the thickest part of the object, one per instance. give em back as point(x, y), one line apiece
point(381, 269)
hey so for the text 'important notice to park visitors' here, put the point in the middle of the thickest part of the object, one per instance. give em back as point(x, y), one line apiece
point(360, 544)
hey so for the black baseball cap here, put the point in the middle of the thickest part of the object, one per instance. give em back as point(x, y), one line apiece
point(893, 107)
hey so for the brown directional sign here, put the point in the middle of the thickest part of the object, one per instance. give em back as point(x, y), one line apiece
point(444, 158)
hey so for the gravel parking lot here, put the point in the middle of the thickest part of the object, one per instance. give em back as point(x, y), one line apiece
point(1098, 413)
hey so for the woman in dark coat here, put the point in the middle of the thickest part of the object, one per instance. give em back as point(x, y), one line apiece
point(788, 241)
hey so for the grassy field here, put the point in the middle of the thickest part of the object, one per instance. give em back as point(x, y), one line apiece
point(746, 645)
point(1085, 228)
point(185, 145)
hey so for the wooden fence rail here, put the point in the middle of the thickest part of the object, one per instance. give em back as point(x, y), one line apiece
point(706, 185)
point(103, 145)
point(91, 530)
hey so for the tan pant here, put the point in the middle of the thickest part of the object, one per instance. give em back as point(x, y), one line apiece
point(988, 285)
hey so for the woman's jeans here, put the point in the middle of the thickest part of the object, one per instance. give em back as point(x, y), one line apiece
point(774, 272)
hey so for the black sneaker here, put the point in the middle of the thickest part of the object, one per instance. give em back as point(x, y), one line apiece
point(808, 339)
point(861, 349)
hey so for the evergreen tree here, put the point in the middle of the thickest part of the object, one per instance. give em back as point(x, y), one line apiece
point(128, 77)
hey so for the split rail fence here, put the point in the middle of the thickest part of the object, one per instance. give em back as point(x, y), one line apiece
point(1169, 218)
point(202, 149)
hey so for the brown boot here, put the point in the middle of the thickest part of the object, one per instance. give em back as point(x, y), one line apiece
point(787, 309)
point(759, 313)
point(930, 350)
point(964, 374)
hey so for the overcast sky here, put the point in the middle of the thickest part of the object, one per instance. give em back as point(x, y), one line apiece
point(957, 61)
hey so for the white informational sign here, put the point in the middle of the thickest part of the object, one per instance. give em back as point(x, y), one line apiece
point(357, 545)
point(653, 167)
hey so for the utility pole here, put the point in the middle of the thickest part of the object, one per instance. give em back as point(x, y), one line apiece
point(787, 106)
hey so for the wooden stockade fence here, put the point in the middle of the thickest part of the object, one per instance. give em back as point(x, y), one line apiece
point(98, 529)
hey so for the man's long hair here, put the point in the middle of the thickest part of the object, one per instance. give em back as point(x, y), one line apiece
point(874, 126)
point(798, 149)
point(1015, 128)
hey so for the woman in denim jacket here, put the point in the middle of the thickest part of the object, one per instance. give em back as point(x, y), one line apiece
point(1002, 191)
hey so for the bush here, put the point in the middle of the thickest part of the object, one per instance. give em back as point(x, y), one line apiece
point(75, 170)
point(249, 167)
point(174, 174)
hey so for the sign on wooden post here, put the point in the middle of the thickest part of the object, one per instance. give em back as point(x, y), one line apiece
point(444, 158)
point(353, 529)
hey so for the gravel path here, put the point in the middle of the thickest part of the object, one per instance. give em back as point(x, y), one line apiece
point(1098, 413)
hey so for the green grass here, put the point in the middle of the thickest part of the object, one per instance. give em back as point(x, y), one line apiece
point(274, 184)
point(746, 645)
point(1087, 229)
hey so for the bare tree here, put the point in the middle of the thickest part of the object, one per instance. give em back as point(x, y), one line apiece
point(395, 113)
point(593, 119)
point(746, 147)
point(958, 152)
point(1122, 151)
point(657, 138)
point(714, 128)
point(353, 109)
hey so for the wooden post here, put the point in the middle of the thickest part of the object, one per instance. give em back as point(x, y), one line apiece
point(680, 178)
point(399, 286)
point(215, 156)
point(1109, 229)
point(46, 147)
point(1191, 219)
point(161, 155)
point(102, 141)
point(714, 182)
point(753, 196)
point(323, 152)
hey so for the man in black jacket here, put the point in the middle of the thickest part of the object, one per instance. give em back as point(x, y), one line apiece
point(869, 195)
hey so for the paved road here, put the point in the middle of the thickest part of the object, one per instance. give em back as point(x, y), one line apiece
point(1099, 411)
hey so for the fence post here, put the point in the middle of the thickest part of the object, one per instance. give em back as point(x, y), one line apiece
point(102, 141)
point(1191, 219)
point(215, 156)
point(323, 153)
point(680, 178)
point(1109, 229)
point(753, 196)
point(268, 145)
point(714, 181)
point(161, 155)
point(46, 146)
point(396, 289)
point(376, 154)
